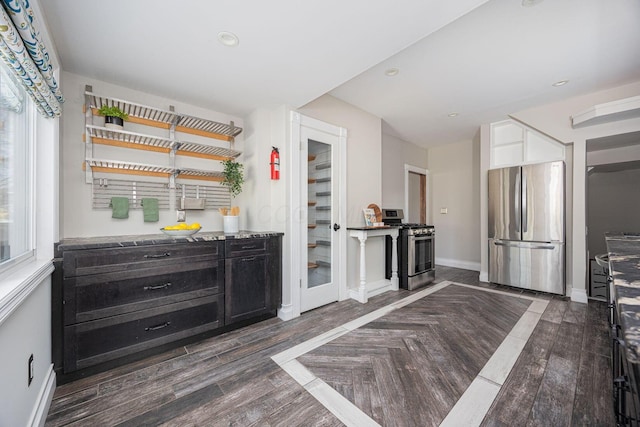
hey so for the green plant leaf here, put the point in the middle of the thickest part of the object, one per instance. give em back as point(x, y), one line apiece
point(112, 111)
point(233, 177)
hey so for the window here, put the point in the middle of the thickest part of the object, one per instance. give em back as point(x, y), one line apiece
point(16, 171)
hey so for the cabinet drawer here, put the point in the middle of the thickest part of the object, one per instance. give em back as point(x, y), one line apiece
point(98, 261)
point(245, 247)
point(99, 341)
point(101, 295)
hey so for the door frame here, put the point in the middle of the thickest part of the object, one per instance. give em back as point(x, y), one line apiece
point(296, 212)
point(415, 169)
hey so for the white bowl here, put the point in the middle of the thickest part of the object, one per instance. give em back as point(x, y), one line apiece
point(180, 232)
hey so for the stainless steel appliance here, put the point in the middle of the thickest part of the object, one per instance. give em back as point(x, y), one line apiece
point(416, 251)
point(527, 227)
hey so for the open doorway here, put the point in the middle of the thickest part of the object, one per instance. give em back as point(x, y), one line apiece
point(415, 200)
point(613, 197)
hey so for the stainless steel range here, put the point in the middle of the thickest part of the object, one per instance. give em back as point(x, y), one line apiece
point(416, 251)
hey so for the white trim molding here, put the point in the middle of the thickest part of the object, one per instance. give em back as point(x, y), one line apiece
point(39, 415)
point(291, 307)
point(21, 284)
point(579, 295)
point(415, 169)
point(466, 265)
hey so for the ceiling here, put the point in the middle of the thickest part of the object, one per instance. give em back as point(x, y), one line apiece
point(480, 59)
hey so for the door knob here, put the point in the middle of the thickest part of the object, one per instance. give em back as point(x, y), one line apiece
point(336, 227)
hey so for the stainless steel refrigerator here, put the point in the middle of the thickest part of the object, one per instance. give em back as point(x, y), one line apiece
point(527, 227)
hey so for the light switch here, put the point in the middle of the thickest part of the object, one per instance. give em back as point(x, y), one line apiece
point(443, 210)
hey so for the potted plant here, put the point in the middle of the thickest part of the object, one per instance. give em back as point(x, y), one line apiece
point(113, 116)
point(232, 179)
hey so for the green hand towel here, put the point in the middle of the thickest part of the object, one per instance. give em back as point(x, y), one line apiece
point(150, 210)
point(120, 207)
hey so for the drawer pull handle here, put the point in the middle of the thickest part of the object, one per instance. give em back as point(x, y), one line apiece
point(155, 328)
point(166, 254)
point(248, 259)
point(153, 288)
point(250, 247)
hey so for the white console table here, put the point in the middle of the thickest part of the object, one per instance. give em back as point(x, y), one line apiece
point(365, 289)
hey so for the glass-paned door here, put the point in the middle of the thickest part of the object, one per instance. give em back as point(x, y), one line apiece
point(320, 285)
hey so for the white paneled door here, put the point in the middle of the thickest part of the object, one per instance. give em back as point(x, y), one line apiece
point(323, 210)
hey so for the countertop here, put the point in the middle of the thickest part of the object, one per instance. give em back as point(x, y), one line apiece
point(154, 239)
point(624, 262)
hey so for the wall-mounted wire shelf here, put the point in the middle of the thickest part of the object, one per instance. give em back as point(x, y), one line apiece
point(130, 168)
point(156, 117)
point(126, 139)
point(103, 189)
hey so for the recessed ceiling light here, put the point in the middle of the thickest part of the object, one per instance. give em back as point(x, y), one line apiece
point(529, 3)
point(391, 72)
point(453, 114)
point(560, 83)
point(228, 39)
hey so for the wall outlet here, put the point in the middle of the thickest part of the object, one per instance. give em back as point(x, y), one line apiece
point(182, 215)
point(444, 210)
point(30, 368)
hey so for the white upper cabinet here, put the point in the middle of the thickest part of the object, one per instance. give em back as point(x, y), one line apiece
point(515, 144)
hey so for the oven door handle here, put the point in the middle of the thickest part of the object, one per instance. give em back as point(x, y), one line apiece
point(420, 238)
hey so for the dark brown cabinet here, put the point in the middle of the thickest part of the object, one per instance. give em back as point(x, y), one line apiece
point(112, 305)
point(252, 278)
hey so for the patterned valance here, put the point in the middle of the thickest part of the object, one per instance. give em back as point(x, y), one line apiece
point(23, 51)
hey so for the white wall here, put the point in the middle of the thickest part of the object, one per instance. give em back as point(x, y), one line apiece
point(26, 331)
point(364, 171)
point(454, 185)
point(395, 154)
point(79, 219)
point(555, 120)
point(264, 198)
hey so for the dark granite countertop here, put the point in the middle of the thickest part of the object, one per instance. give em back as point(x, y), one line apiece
point(624, 262)
point(154, 239)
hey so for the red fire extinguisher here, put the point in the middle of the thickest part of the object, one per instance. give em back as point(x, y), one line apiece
point(275, 163)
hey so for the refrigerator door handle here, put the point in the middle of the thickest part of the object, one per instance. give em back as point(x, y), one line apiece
point(525, 218)
point(516, 201)
point(520, 245)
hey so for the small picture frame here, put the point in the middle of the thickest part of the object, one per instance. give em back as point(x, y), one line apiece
point(369, 217)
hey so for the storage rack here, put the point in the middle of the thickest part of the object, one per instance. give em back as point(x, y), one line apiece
point(170, 144)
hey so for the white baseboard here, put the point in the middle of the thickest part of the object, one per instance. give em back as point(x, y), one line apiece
point(579, 295)
point(467, 265)
point(45, 397)
point(484, 276)
point(286, 312)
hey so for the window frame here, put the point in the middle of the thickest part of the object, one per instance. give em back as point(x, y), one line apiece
point(30, 134)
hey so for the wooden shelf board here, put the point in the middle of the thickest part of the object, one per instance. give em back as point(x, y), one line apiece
point(201, 178)
point(133, 145)
point(312, 180)
point(312, 265)
point(312, 203)
point(312, 158)
point(311, 226)
point(311, 245)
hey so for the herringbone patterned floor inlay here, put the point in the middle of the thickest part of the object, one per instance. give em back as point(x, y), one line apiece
point(410, 366)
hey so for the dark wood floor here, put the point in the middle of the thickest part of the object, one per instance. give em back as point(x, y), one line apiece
point(413, 364)
point(562, 377)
